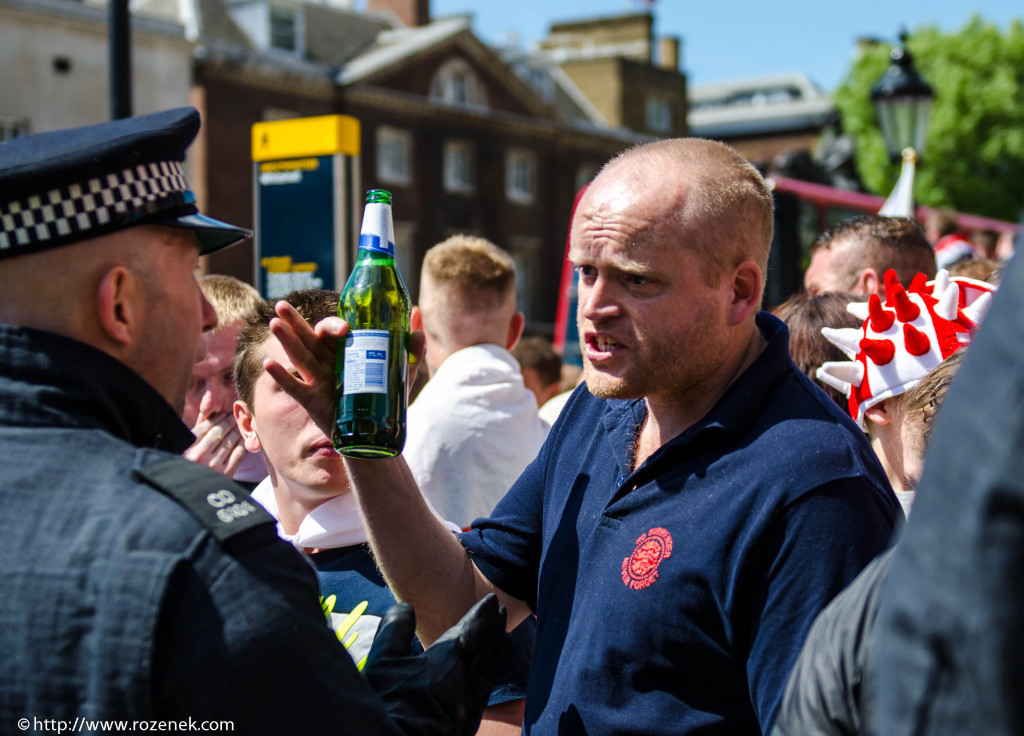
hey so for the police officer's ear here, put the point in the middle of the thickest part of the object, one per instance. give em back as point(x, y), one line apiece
point(117, 308)
point(244, 418)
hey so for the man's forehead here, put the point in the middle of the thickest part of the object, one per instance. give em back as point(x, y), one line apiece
point(629, 241)
point(273, 349)
point(220, 355)
point(223, 341)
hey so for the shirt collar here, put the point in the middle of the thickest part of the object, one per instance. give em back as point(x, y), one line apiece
point(743, 401)
point(736, 410)
point(48, 380)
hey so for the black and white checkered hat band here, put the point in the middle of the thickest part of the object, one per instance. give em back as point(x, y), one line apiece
point(74, 211)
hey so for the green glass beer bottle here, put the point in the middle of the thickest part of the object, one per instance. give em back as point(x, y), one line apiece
point(371, 371)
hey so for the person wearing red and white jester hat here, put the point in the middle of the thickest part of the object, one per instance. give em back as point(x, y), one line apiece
point(902, 340)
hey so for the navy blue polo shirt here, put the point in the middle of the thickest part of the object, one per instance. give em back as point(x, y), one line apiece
point(676, 598)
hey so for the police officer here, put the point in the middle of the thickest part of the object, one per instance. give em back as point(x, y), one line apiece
point(138, 585)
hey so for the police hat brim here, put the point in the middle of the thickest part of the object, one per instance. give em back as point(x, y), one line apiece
point(213, 235)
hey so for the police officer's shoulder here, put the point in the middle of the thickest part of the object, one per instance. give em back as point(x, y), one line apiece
point(217, 503)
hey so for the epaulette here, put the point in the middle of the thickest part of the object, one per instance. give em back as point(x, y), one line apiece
point(218, 503)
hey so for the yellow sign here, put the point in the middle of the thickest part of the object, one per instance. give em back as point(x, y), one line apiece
point(324, 135)
point(299, 164)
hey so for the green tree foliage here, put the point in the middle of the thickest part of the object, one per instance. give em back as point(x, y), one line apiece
point(974, 155)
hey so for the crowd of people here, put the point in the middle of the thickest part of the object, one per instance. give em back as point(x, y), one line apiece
point(698, 534)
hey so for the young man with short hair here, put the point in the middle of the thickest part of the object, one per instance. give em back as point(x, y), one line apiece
point(307, 490)
point(210, 398)
point(474, 426)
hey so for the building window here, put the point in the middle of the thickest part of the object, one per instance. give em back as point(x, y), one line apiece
point(11, 128)
point(405, 250)
point(284, 29)
point(659, 115)
point(394, 148)
point(455, 83)
point(585, 174)
point(458, 167)
point(542, 82)
point(278, 113)
point(521, 176)
point(525, 252)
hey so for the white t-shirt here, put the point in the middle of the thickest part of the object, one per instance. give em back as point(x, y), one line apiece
point(471, 431)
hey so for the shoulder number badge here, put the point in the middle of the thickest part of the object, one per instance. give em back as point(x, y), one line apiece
point(640, 569)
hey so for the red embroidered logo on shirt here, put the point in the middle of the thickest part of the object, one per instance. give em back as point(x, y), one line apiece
point(640, 569)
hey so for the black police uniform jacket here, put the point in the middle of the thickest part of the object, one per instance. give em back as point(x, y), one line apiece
point(137, 585)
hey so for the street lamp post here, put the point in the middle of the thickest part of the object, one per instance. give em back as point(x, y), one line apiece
point(903, 100)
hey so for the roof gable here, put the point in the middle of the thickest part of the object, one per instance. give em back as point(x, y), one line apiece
point(408, 58)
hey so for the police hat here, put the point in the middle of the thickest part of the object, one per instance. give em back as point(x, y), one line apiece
point(69, 185)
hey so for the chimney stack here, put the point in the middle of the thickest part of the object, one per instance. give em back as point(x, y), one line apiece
point(409, 13)
point(668, 53)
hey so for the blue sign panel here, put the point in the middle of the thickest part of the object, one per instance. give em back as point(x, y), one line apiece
point(297, 225)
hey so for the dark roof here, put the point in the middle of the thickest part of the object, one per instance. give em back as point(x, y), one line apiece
point(334, 36)
point(215, 24)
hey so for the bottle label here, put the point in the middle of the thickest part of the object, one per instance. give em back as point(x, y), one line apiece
point(366, 362)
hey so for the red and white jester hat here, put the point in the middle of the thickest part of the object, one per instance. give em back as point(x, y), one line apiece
point(905, 338)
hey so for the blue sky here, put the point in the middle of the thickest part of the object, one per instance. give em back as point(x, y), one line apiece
point(731, 39)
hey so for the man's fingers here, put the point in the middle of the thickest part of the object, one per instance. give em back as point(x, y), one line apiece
point(331, 327)
point(235, 459)
point(317, 399)
point(312, 353)
point(202, 428)
point(219, 445)
point(312, 367)
point(315, 344)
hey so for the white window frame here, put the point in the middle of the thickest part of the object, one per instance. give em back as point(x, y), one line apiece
point(459, 167)
point(521, 176)
point(405, 246)
point(394, 155)
point(297, 29)
point(658, 114)
point(525, 252)
point(455, 83)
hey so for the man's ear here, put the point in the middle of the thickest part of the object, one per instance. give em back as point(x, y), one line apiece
point(869, 283)
point(244, 418)
point(515, 330)
point(116, 306)
point(746, 291)
point(416, 319)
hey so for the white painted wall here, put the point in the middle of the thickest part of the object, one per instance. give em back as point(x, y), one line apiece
point(33, 33)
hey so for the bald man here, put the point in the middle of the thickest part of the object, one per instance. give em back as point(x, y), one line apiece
point(699, 501)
